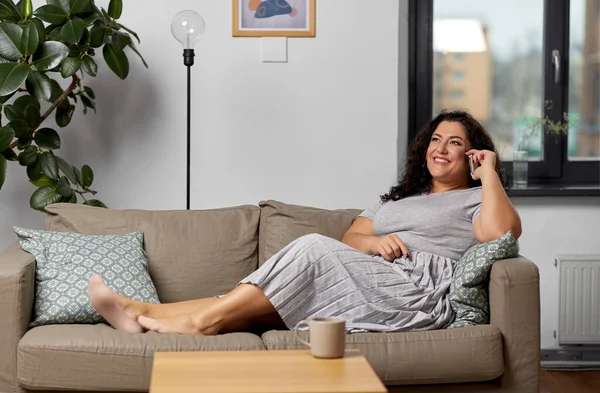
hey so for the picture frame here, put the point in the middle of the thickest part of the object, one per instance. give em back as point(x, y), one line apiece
point(274, 18)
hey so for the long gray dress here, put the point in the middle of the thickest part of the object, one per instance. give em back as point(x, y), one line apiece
point(317, 276)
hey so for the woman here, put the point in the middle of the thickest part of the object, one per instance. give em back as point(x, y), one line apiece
point(390, 272)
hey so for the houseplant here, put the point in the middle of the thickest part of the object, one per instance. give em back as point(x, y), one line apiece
point(59, 40)
point(529, 140)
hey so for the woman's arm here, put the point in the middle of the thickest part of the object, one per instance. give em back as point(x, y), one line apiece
point(361, 235)
point(497, 215)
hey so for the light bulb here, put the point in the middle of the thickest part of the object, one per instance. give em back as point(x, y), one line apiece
point(187, 27)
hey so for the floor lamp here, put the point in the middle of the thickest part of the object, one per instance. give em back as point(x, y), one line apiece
point(187, 27)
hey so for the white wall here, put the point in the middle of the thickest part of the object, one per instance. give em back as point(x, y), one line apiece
point(554, 226)
point(319, 130)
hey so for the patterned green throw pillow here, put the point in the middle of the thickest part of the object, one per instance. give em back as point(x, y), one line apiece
point(468, 291)
point(65, 262)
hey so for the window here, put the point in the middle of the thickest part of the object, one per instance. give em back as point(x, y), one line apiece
point(457, 94)
point(458, 76)
point(502, 66)
point(459, 58)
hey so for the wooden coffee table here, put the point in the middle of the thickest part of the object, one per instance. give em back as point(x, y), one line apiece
point(261, 372)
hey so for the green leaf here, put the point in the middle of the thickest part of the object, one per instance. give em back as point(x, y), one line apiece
point(85, 38)
point(49, 55)
point(29, 40)
point(64, 115)
point(34, 172)
point(28, 156)
point(63, 187)
point(39, 86)
point(120, 40)
point(88, 90)
point(12, 76)
point(70, 66)
point(10, 155)
point(115, 8)
point(89, 17)
point(78, 176)
point(4, 99)
point(87, 176)
point(10, 9)
point(33, 117)
point(79, 6)
point(26, 8)
point(41, 29)
point(42, 181)
point(24, 143)
point(51, 14)
point(42, 197)
point(71, 32)
point(64, 5)
point(89, 65)
point(21, 128)
point(26, 100)
point(4, 12)
point(73, 198)
point(3, 166)
point(117, 61)
point(57, 91)
point(13, 112)
point(10, 40)
point(133, 48)
point(7, 135)
point(133, 33)
point(67, 169)
point(95, 203)
point(54, 33)
point(49, 165)
point(97, 33)
point(88, 103)
point(47, 138)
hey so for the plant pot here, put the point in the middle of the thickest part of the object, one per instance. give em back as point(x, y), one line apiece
point(520, 168)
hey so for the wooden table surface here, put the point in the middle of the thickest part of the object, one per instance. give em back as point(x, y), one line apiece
point(261, 371)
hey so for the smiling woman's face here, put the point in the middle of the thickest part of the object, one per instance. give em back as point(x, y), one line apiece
point(446, 158)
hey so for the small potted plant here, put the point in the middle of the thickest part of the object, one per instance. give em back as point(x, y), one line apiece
point(529, 141)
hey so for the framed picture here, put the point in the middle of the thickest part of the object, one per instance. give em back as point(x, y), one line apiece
point(274, 18)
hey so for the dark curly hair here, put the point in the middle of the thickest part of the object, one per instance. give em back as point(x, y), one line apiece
point(416, 178)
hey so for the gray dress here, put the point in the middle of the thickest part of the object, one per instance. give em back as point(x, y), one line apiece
point(317, 276)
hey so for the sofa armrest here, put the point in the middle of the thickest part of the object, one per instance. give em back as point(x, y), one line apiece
point(515, 310)
point(17, 274)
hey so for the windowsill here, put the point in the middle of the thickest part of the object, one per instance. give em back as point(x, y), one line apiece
point(554, 191)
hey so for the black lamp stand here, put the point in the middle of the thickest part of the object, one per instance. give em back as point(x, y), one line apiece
point(188, 61)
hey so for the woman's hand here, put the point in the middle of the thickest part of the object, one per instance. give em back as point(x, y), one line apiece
point(391, 247)
point(486, 160)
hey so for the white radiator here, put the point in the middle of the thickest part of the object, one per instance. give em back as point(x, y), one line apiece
point(579, 299)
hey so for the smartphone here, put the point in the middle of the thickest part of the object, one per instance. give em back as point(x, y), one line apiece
point(472, 164)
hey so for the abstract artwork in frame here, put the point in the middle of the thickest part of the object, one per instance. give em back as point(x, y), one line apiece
point(274, 18)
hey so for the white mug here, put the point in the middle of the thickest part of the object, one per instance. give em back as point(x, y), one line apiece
point(327, 337)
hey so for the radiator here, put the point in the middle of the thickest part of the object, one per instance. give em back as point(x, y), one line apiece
point(579, 299)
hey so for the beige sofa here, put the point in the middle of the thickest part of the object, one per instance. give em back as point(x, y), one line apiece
point(195, 254)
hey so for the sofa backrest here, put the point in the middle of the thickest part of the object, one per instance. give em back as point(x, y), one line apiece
point(191, 254)
point(280, 223)
point(203, 253)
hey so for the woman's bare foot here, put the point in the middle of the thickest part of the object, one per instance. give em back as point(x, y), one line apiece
point(107, 305)
point(179, 324)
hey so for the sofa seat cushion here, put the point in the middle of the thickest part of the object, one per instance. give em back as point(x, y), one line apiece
point(470, 354)
point(99, 358)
